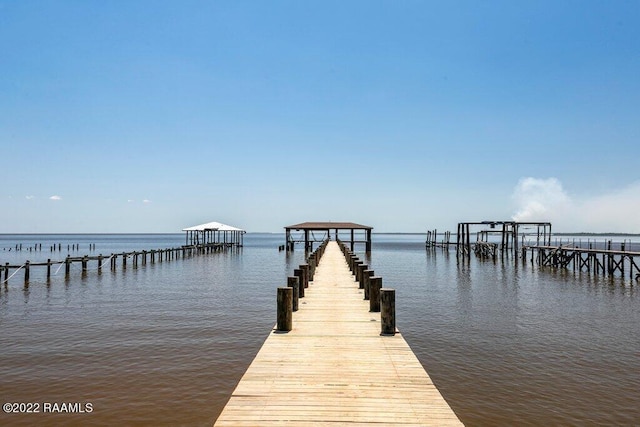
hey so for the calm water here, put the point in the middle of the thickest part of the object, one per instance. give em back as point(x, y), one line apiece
point(166, 344)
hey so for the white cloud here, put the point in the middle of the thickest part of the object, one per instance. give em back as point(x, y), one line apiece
point(546, 200)
point(55, 198)
point(146, 201)
point(540, 199)
point(29, 197)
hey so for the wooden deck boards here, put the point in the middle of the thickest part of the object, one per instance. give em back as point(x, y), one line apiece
point(334, 368)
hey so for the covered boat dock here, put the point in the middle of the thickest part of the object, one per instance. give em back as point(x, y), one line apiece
point(214, 233)
point(319, 231)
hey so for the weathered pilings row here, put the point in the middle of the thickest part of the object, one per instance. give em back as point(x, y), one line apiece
point(137, 258)
point(288, 297)
point(37, 247)
point(605, 261)
point(381, 299)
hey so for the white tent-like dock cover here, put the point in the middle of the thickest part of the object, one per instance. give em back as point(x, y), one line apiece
point(214, 233)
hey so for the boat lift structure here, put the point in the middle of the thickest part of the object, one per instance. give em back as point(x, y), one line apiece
point(508, 231)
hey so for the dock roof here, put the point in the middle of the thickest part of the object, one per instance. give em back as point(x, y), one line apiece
point(328, 226)
point(213, 226)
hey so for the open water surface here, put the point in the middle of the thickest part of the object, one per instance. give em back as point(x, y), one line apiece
point(165, 344)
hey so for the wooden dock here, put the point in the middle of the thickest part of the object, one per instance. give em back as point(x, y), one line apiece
point(605, 261)
point(137, 258)
point(334, 368)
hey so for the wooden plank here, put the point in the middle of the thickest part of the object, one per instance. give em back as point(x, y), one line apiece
point(334, 367)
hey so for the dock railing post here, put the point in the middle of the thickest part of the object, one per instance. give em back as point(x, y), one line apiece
point(292, 282)
point(300, 275)
point(366, 279)
point(360, 275)
point(285, 309)
point(313, 262)
point(305, 274)
point(375, 284)
point(388, 311)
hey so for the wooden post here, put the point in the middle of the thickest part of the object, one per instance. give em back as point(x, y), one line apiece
point(388, 311)
point(313, 262)
point(84, 264)
point(367, 279)
point(300, 275)
point(375, 284)
point(305, 274)
point(26, 273)
point(354, 269)
point(48, 268)
point(67, 266)
point(292, 282)
point(352, 244)
point(285, 309)
point(360, 276)
point(124, 260)
point(306, 240)
point(6, 273)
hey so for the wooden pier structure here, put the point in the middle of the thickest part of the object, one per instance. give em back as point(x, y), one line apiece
point(509, 231)
point(136, 258)
point(332, 365)
point(200, 239)
point(597, 261)
point(214, 233)
point(324, 230)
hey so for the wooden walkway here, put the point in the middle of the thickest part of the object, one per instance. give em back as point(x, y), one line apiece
point(334, 368)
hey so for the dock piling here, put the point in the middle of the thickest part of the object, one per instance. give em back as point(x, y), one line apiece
point(292, 282)
point(26, 273)
point(300, 275)
point(375, 284)
point(388, 311)
point(285, 309)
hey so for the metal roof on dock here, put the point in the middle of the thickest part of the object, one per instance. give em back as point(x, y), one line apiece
point(328, 225)
point(213, 226)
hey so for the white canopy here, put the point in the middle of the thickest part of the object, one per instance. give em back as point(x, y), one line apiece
point(213, 226)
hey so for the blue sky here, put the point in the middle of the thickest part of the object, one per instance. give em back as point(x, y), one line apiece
point(151, 116)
